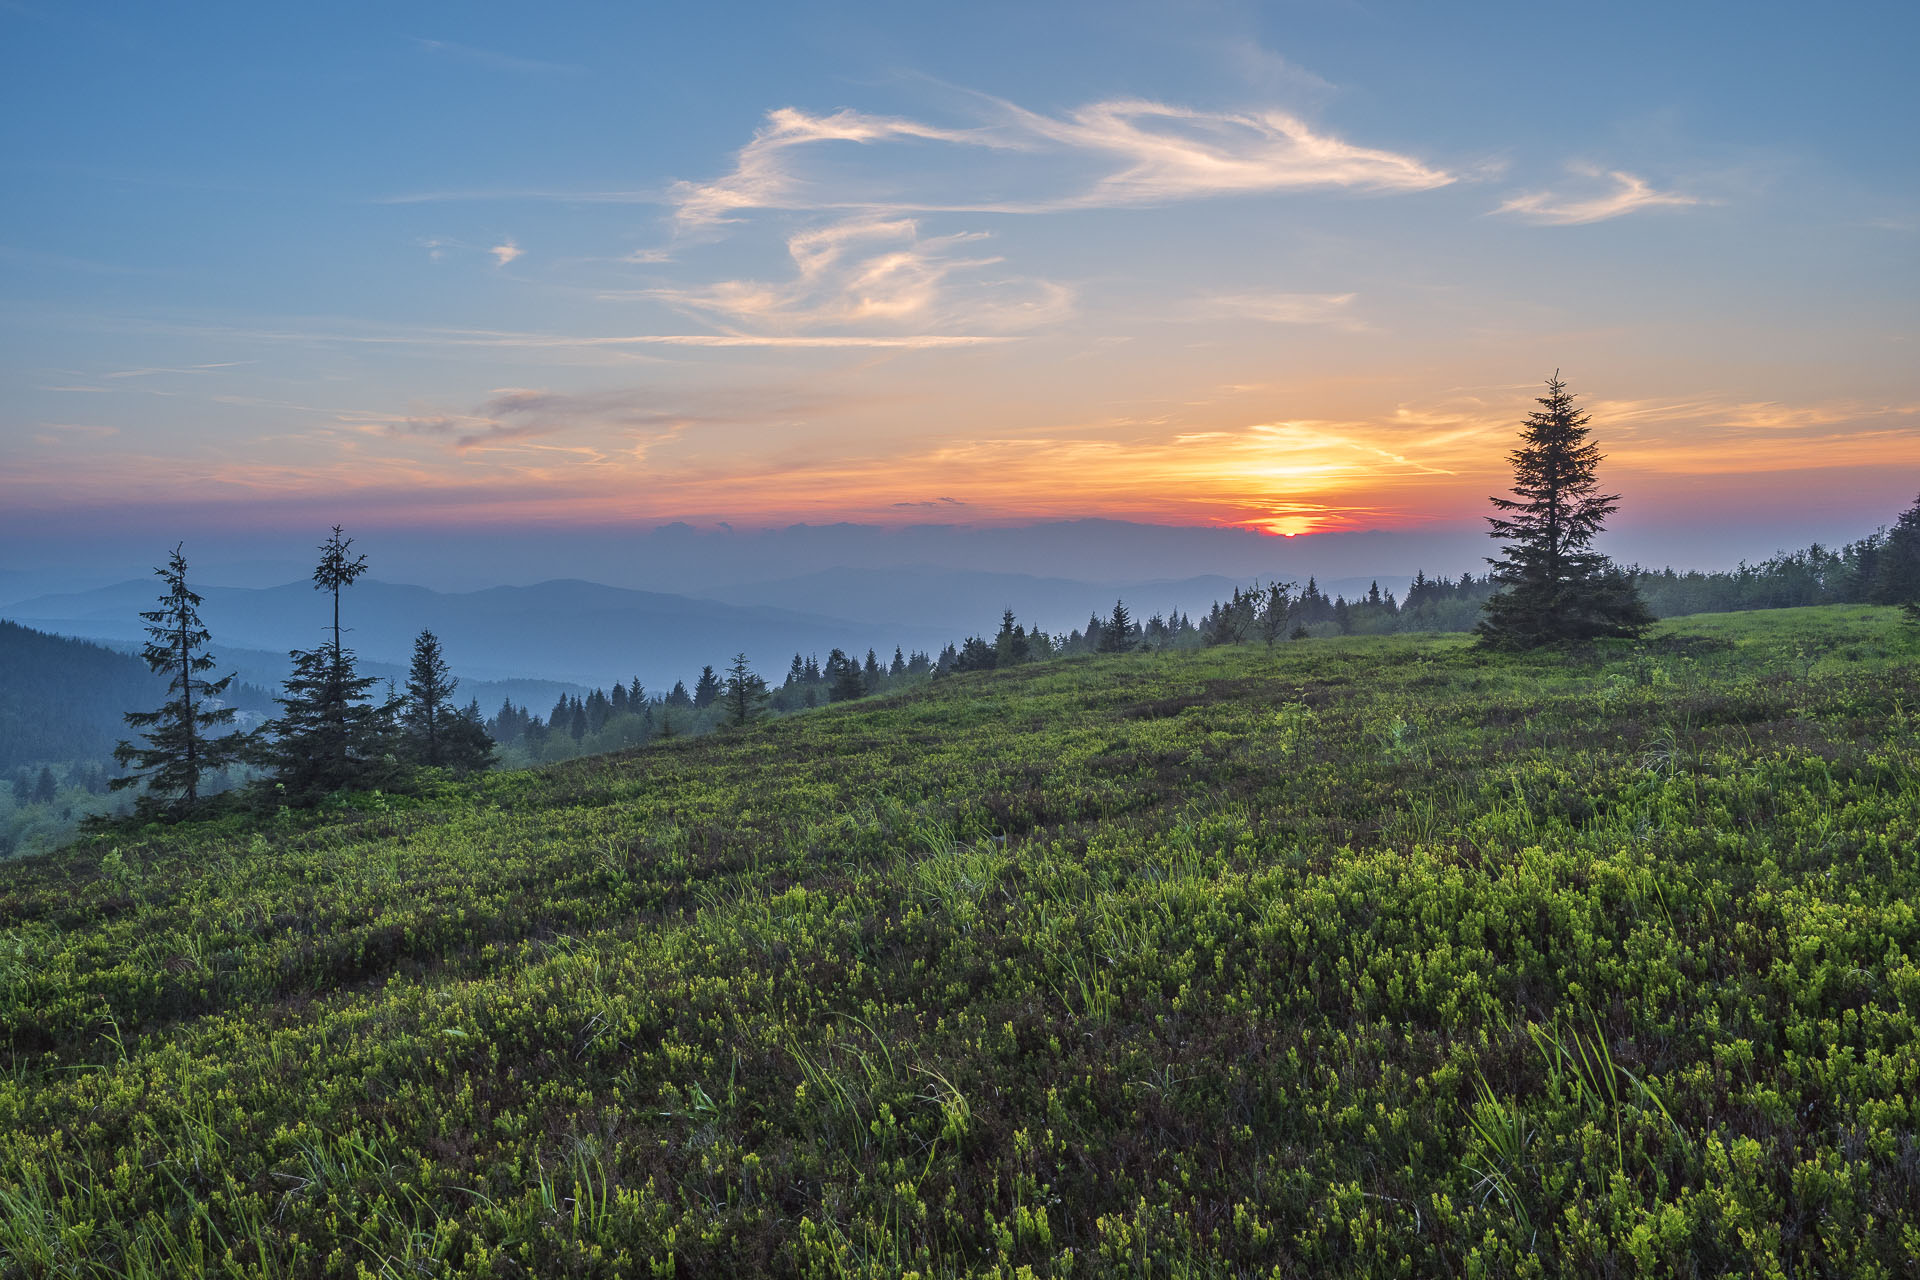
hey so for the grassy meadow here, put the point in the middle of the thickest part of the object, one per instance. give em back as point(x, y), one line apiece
point(1377, 956)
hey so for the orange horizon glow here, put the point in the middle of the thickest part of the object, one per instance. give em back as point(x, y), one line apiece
point(1407, 469)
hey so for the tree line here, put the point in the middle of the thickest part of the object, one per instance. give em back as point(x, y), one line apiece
point(628, 715)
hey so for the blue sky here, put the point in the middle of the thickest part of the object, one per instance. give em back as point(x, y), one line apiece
point(1294, 268)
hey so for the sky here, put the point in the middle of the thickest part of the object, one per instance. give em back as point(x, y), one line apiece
point(1293, 269)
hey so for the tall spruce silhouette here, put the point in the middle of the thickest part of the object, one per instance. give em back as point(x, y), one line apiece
point(331, 736)
point(179, 751)
point(429, 708)
point(745, 691)
point(1896, 566)
point(1553, 586)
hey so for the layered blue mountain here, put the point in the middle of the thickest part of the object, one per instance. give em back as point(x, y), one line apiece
point(566, 630)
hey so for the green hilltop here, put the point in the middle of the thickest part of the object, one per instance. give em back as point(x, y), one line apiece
point(1371, 956)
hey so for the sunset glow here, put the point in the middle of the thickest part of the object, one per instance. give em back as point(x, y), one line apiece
point(1230, 272)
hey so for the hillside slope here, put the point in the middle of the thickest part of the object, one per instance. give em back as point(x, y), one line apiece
point(1359, 957)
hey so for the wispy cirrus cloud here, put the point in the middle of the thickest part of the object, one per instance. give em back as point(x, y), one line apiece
point(764, 178)
point(1713, 433)
point(532, 343)
point(182, 369)
point(867, 271)
point(1629, 194)
point(1329, 310)
point(1120, 152)
point(876, 270)
point(503, 251)
point(495, 61)
point(640, 417)
point(1174, 153)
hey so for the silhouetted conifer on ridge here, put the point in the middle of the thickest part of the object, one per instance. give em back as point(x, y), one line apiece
point(439, 734)
point(1553, 586)
point(745, 691)
point(331, 736)
point(1896, 566)
point(178, 750)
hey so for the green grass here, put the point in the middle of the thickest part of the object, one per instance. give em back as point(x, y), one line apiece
point(1366, 957)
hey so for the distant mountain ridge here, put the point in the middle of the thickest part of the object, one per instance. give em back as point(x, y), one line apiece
point(964, 602)
point(566, 630)
point(576, 632)
point(267, 669)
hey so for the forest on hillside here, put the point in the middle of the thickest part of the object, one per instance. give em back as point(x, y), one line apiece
point(61, 699)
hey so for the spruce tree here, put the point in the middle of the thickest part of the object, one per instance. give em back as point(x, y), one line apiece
point(1274, 610)
point(843, 678)
point(429, 705)
point(1896, 568)
point(1096, 630)
point(1116, 633)
point(338, 568)
point(1553, 586)
point(178, 750)
point(976, 655)
point(1010, 646)
point(745, 691)
point(465, 744)
point(706, 690)
point(331, 736)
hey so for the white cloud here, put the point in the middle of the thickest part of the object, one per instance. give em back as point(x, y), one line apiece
point(866, 271)
point(506, 251)
point(1173, 153)
point(642, 416)
point(191, 369)
point(1629, 193)
point(760, 178)
point(455, 339)
point(1121, 152)
point(1334, 310)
